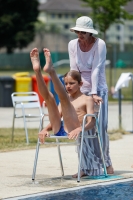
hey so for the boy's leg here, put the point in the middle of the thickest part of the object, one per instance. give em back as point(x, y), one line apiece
point(54, 115)
point(69, 114)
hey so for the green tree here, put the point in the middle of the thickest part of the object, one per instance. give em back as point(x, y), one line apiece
point(106, 12)
point(17, 18)
point(42, 29)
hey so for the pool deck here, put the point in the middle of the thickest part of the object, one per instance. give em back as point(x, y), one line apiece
point(16, 167)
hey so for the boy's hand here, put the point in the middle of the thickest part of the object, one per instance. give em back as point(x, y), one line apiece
point(42, 135)
point(74, 134)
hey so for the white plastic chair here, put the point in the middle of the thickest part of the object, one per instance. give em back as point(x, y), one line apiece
point(24, 104)
point(97, 135)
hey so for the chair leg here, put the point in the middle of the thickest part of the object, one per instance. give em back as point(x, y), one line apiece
point(26, 131)
point(36, 159)
point(81, 148)
point(25, 126)
point(37, 150)
point(100, 124)
point(101, 150)
point(60, 158)
point(41, 123)
point(12, 137)
point(105, 170)
point(80, 158)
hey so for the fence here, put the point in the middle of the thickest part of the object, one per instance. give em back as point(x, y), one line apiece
point(21, 61)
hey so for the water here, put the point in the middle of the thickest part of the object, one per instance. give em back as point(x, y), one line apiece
point(116, 191)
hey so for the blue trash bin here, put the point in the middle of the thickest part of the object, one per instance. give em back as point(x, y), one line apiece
point(53, 90)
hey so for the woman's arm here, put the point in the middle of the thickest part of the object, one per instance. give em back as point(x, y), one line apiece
point(72, 55)
point(97, 65)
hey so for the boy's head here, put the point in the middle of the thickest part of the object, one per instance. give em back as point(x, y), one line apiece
point(73, 81)
point(75, 75)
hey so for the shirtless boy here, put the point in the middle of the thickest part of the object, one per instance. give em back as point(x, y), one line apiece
point(73, 106)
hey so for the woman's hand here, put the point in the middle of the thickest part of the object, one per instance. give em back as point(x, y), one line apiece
point(97, 99)
point(42, 135)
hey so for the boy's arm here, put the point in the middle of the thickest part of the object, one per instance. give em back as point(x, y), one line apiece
point(48, 127)
point(44, 133)
point(90, 110)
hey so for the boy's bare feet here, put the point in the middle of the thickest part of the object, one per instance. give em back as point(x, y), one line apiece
point(81, 175)
point(49, 65)
point(110, 170)
point(34, 55)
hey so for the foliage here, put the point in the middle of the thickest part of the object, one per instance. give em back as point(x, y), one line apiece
point(53, 29)
point(42, 28)
point(106, 12)
point(17, 20)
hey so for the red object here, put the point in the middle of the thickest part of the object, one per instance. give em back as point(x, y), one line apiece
point(35, 87)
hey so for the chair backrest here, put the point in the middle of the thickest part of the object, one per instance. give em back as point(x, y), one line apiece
point(25, 99)
point(99, 116)
point(99, 112)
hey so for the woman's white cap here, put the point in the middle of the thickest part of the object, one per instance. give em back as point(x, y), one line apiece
point(85, 24)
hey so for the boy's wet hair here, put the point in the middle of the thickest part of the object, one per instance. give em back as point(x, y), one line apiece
point(75, 75)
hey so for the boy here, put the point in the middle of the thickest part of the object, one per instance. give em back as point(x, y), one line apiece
point(73, 106)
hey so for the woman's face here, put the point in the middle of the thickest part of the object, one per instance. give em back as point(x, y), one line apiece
point(83, 35)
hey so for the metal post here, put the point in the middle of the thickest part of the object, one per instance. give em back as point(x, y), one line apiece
point(119, 101)
point(132, 104)
point(114, 61)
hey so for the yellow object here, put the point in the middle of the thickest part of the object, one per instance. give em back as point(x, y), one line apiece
point(23, 82)
point(21, 74)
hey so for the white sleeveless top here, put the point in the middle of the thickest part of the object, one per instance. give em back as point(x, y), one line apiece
point(90, 64)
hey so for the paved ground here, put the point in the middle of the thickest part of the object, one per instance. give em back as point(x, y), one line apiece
point(16, 166)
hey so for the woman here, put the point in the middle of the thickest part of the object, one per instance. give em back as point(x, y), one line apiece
point(88, 55)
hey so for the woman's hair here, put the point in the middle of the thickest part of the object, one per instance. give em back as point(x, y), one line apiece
point(75, 75)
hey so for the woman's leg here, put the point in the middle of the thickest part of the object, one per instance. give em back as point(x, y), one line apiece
point(95, 156)
point(69, 114)
point(103, 128)
point(91, 163)
point(54, 115)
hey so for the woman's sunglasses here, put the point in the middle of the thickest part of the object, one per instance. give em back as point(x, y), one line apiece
point(82, 32)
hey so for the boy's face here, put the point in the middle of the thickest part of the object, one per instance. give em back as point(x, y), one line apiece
point(71, 85)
